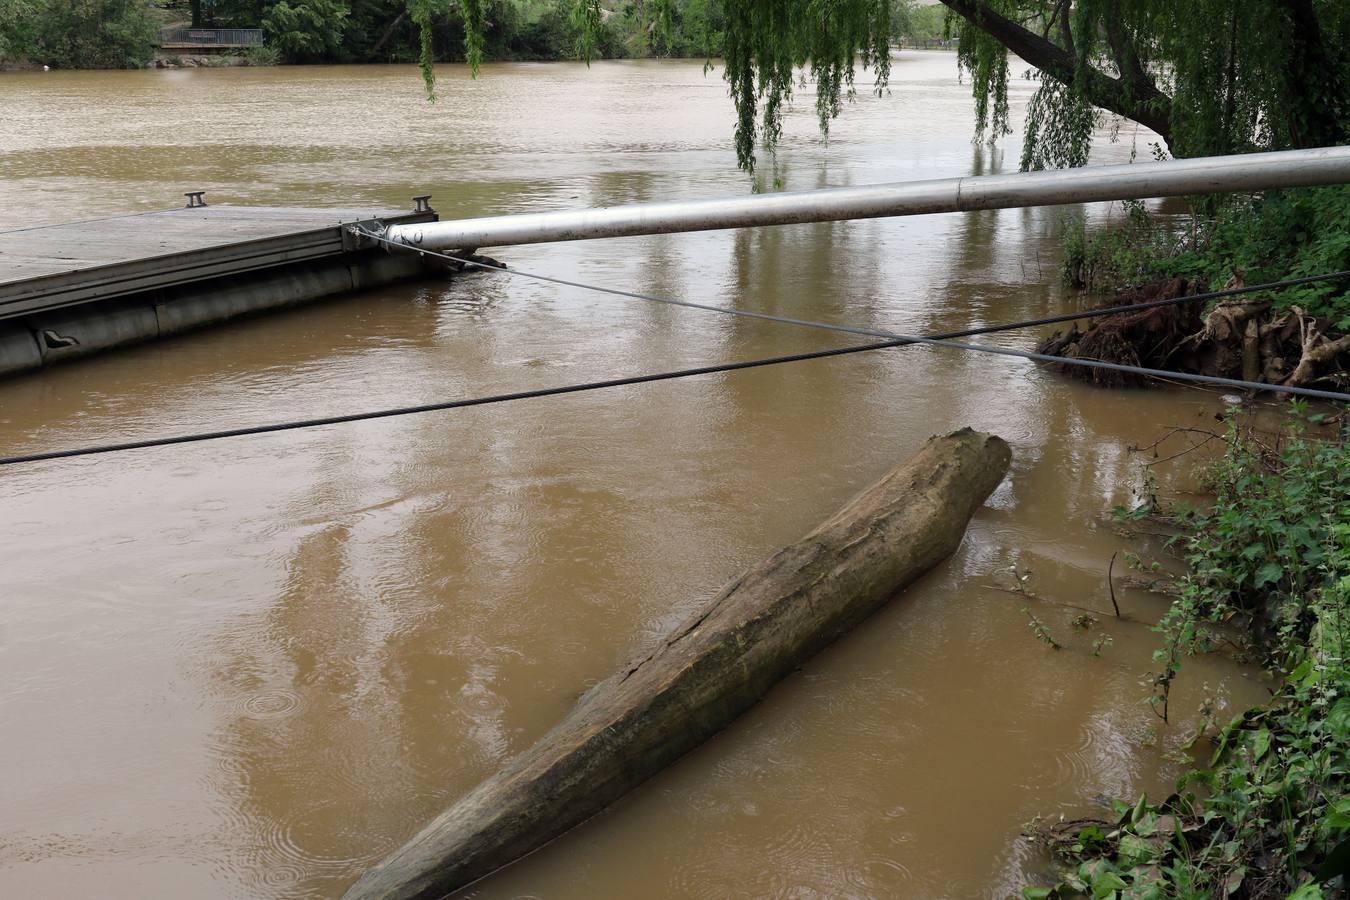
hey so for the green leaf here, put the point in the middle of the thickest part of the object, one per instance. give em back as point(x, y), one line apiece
point(1338, 720)
point(1106, 884)
point(1260, 744)
point(1134, 850)
point(1338, 815)
point(1310, 890)
point(1225, 736)
point(1270, 573)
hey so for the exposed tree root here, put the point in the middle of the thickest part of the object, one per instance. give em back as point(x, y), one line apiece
point(1243, 339)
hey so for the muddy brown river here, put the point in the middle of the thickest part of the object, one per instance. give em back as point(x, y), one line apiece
point(250, 668)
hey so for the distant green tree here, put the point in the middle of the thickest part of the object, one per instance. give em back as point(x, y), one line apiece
point(91, 34)
point(925, 24)
point(18, 27)
point(377, 30)
point(306, 30)
point(900, 19)
point(704, 28)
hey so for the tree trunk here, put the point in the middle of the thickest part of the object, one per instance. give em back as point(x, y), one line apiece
point(388, 32)
point(1316, 94)
point(761, 627)
point(1138, 98)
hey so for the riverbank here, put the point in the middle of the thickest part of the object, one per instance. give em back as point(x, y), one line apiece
point(1297, 336)
point(212, 61)
point(1267, 816)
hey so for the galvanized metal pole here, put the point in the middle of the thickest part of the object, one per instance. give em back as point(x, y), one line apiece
point(1137, 181)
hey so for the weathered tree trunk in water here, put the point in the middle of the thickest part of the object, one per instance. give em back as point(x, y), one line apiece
point(761, 627)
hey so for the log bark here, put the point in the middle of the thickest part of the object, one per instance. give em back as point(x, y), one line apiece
point(757, 630)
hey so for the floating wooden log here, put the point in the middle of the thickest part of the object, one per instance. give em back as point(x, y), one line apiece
point(758, 629)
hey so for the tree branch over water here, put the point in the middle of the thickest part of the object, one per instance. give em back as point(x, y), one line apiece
point(1136, 98)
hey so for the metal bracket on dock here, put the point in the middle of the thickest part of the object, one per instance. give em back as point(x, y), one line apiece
point(195, 199)
point(357, 235)
point(422, 203)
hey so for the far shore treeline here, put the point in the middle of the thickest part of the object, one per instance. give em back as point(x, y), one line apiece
point(110, 34)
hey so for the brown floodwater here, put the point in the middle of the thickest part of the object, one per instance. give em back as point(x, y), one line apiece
point(252, 667)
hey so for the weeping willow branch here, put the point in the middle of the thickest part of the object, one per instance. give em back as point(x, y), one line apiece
point(767, 43)
point(475, 24)
point(585, 18)
point(1141, 101)
point(423, 13)
point(1209, 76)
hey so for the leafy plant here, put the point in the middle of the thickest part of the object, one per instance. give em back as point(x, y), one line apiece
point(1269, 816)
point(1281, 235)
point(88, 34)
point(305, 29)
point(262, 55)
point(1038, 628)
point(1258, 554)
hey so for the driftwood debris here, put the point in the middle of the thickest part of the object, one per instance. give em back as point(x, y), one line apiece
point(757, 630)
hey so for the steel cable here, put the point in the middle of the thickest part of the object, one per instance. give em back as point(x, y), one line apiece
point(945, 339)
point(850, 329)
point(433, 407)
point(892, 340)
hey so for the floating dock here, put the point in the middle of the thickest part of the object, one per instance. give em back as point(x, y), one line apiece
point(80, 287)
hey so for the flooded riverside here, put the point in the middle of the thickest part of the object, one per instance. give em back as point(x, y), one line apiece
point(253, 667)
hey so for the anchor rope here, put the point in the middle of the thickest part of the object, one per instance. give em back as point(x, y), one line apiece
point(945, 339)
point(892, 339)
point(851, 329)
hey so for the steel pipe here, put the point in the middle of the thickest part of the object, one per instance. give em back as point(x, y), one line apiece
point(1136, 181)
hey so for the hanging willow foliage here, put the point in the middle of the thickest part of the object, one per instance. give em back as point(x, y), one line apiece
point(980, 56)
point(423, 13)
point(1209, 76)
point(769, 41)
point(585, 18)
point(1059, 127)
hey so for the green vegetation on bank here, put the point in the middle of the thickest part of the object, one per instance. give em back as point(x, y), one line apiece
point(1275, 236)
point(91, 34)
point(120, 33)
point(1269, 814)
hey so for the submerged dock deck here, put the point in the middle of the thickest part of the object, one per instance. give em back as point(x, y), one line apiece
point(76, 288)
point(46, 267)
